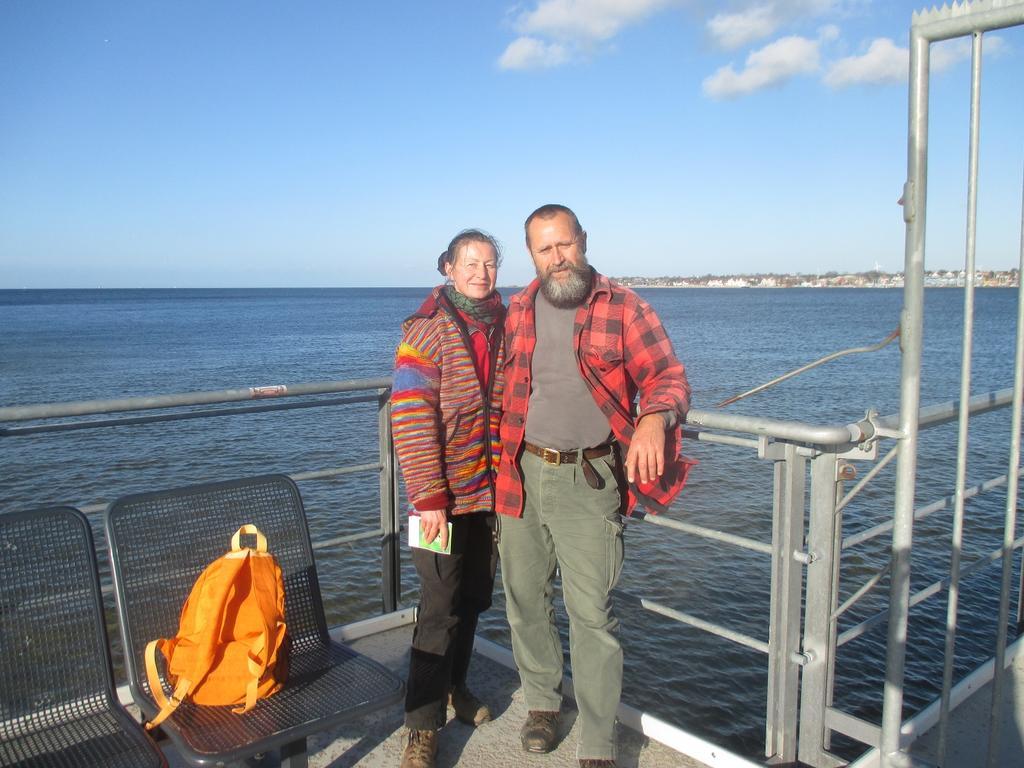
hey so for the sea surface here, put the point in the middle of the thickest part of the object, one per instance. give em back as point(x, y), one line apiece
point(67, 345)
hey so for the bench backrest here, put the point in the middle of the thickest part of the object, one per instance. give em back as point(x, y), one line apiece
point(54, 659)
point(160, 542)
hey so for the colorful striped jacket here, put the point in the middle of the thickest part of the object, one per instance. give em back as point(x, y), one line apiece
point(622, 350)
point(445, 425)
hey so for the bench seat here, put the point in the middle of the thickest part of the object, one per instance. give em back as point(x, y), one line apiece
point(159, 544)
point(58, 704)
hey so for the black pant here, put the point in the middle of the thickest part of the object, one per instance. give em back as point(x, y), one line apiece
point(454, 590)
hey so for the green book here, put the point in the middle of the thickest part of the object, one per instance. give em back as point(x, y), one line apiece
point(416, 539)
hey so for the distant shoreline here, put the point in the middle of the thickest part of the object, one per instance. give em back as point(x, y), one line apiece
point(787, 287)
point(1006, 278)
point(936, 279)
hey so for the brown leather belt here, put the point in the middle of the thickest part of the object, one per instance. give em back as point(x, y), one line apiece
point(551, 456)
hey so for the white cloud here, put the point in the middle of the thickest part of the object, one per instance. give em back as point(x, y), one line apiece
point(828, 33)
point(587, 20)
point(760, 19)
point(774, 64)
point(531, 53)
point(733, 30)
point(950, 52)
point(557, 31)
point(884, 62)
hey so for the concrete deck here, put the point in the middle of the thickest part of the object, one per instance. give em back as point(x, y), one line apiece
point(376, 741)
point(970, 726)
point(970, 722)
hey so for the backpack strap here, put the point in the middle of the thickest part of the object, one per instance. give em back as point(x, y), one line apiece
point(261, 540)
point(258, 658)
point(181, 690)
point(259, 654)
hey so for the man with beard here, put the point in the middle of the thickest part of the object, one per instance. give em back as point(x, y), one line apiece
point(576, 455)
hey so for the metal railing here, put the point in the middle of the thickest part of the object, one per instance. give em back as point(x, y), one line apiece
point(960, 20)
point(96, 414)
point(806, 545)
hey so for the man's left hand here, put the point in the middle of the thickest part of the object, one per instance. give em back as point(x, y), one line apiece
point(646, 455)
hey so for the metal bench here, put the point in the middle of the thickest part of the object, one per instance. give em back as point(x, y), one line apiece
point(58, 705)
point(159, 544)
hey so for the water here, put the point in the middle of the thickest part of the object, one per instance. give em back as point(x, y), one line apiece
point(73, 345)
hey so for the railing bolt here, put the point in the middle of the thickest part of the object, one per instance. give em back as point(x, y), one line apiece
point(805, 557)
point(802, 658)
point(847, 471)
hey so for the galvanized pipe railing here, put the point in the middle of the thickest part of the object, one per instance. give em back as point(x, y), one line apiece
point(924, 511)
point(184, 399)
point(206, 413)
point(793, 446)
point(945, 413)
point(816, 660)
point(795, 431)
point(783, 705)
point(928, 27)
point(911, 325)
point(933, 589)
point(1010, 520)
point(281, 396)
point(957, 537)
point(792, 431)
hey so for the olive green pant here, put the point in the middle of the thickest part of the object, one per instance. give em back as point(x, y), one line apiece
point(568, 524)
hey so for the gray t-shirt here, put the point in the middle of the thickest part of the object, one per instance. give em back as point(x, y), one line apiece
point(562, 412)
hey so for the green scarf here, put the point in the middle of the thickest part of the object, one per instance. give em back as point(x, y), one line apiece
point(484, 310)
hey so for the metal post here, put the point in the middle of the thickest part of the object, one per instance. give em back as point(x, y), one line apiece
point(391, 577)
point(833, 627)
point(911, 323)
point(952, 603)
point(817, 647)
point(1010, 519)
point(1020, 599)
point(784, 627)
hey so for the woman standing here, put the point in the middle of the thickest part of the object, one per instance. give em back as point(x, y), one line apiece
point(445, 410)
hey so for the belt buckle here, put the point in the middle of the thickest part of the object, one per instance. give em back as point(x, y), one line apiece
point(551, 456)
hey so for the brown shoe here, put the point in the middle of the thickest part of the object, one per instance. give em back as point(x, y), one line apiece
point(540, 731)
point(590, 762)
point(420, 749)
point(468, 708)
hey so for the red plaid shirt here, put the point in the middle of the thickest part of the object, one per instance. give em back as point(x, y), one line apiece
point(622, 350)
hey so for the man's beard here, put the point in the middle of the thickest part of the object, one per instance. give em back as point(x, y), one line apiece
point(571, 289)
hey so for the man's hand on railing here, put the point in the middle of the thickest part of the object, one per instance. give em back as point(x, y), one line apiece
point(646, 454)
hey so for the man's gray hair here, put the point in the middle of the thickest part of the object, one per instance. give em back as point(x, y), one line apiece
point(549, 211)
point(461, 239)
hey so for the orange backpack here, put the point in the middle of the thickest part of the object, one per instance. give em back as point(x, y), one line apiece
point(230, 647)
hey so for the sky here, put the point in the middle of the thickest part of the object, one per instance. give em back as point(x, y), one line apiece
point(273, 144)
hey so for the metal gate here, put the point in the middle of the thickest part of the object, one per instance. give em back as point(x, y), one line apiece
point(818, 720)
